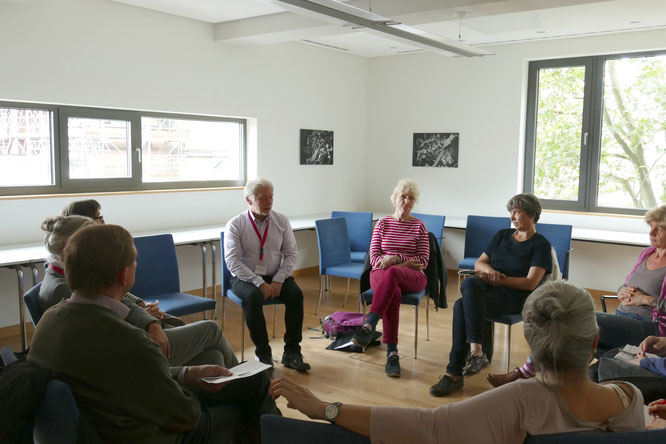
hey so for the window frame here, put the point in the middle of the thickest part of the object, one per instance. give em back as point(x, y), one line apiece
point(592, 125)
point(60, 155)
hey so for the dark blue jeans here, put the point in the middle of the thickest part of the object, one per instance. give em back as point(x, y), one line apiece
point(479, 301)
point(617, 331)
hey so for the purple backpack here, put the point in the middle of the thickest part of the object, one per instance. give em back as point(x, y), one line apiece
point(342, 321)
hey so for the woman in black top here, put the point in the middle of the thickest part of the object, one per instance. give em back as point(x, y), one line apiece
point(513, 264)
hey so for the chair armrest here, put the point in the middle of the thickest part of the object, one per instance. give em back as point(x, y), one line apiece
point(603, 300)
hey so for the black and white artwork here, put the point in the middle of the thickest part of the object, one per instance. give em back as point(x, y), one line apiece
point(436, 150)
point(316, 147)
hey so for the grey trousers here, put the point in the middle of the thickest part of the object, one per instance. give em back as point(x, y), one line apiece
point(199, 343)
point(651, 385)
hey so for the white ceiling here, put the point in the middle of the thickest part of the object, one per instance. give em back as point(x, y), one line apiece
point(487, 21)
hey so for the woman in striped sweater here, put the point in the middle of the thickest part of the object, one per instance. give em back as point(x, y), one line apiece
point(399, 254)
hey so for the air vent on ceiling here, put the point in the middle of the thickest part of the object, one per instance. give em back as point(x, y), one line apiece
point(324, 44)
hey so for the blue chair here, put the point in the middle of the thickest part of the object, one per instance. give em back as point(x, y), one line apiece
point(407, 299)
point(228, 293)
point(478, 234)
point(434, 224)
point(559, 237)
point(335, 254)
point(57, 420)
point(359, 227)
point(281, 430)
point(30, 299)
point(157, 277)
point(641, 436)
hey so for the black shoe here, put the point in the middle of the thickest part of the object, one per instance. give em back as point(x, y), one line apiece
point(295, 361)
point(475, 365)
point(446, 386)
point(265, 359)
point(363, 337)
point(392, 368)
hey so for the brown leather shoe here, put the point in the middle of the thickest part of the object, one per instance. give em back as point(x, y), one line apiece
point(500, 379)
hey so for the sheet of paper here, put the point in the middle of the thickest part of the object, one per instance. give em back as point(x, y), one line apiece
point(244, 370)
point(630, 352)
point(344, 345)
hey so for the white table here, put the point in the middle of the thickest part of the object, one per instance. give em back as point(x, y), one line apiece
point(582, 234)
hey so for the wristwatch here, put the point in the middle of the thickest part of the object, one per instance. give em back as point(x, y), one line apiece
point(332, 411)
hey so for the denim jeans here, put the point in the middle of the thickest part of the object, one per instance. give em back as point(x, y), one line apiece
point(617, 331)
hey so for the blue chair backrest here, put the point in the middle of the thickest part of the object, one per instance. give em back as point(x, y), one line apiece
point(359, 228)
point(157, 266)
point(559, 237)
point(226, 274)
point(641, 436)
point(57, 417)
point(480, 231)
point(280, 430)
point(333, 241)
point(30, 299)
point(434, 224)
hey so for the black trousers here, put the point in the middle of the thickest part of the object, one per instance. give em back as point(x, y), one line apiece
point(232, 414)
point(253, 303)
point(479, 301)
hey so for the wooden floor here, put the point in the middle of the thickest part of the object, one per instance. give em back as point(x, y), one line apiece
point(359, 378)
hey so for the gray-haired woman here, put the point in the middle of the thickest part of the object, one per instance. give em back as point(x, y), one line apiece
point(562, 333)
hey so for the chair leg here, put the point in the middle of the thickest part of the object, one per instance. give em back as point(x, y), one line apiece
point(242, 335)
point(364, 309)
point(508, 348)
point(427, 318)
point(322, 279)
point(458, 291)
point(224, 310)
point(416, 329)
point(347, 293)
point(274, 317)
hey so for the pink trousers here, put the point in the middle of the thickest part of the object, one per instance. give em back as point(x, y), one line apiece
point(388, 286)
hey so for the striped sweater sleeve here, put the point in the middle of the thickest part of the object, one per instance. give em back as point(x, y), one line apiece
point(376, 252)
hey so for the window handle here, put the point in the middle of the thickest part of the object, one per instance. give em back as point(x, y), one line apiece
point(138, 152)
point(585, 134)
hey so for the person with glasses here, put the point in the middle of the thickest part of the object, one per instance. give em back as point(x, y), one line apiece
point(261, 253)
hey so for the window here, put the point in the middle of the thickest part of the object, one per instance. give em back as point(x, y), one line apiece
point(596, 132)
point(60, 149)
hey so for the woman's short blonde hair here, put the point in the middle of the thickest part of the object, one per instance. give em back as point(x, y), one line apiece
point(657, 215)
point(405, 186)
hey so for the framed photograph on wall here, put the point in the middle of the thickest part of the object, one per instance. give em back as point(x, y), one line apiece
point(435, 150)
point(316, 147)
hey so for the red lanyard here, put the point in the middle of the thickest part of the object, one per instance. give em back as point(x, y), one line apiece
point(57, 269)
point(256, 230)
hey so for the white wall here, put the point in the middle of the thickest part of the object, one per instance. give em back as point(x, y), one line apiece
point(100, 53)
point(483, 99)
